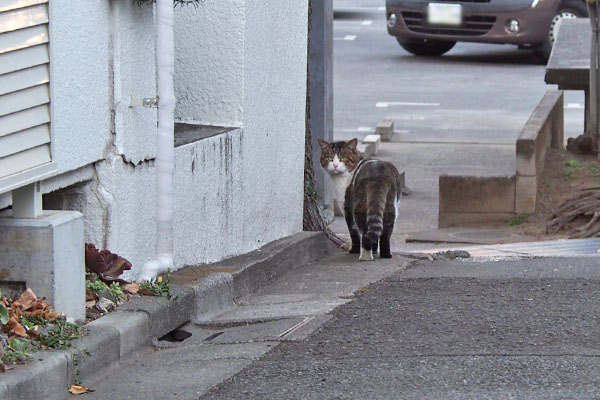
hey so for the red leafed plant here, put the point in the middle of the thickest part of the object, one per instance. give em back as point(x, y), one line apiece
point(107, 265)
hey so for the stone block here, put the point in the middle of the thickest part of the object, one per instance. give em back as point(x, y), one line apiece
point(214, 294)
point(165, 314)
point(45, 377)
point(366, 149)
point(97, 349)
point(373, 140)
point(526, 194)
point(47, 254)
point(132, 328)
point(472, 194)
point(385, 128)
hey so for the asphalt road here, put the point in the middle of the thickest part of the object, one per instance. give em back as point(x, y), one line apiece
point(456, 114)
point(447, 330)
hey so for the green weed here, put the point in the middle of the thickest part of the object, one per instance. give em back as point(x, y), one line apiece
point(159, 286)
point(98, 286)
point(517, 220)
point(571, 163)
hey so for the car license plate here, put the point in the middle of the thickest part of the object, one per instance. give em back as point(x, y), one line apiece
point(444, 14)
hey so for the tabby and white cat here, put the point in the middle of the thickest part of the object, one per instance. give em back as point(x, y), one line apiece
point(370, 191)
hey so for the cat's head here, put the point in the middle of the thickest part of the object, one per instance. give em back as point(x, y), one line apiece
point(339, 157)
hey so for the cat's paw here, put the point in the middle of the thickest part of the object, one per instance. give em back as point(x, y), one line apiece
point(365, 255)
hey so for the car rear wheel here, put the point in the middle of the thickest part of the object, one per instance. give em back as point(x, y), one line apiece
point(426, 47)
point(567, 9)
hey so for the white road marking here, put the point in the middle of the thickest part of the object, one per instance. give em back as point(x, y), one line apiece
point(359, 129)
point(408, 117)
point(347, 37)
point(385, 104)
point(576, 106)
point(367, 22)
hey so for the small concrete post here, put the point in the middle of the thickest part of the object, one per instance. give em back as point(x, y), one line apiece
point(385, 129)
point(27, 201)
point(47, 254)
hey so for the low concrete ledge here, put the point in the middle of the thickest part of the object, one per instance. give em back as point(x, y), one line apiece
point(544, 129)
point(240, 276)
point(470, 200)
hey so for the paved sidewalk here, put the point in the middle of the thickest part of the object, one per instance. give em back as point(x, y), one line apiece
point(289, 309)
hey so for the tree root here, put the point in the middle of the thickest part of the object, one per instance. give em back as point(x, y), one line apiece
point(583, 205)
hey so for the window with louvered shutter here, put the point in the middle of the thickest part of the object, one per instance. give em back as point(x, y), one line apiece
point(24, 93)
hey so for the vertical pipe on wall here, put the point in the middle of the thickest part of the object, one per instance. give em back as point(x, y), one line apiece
point(165, 150)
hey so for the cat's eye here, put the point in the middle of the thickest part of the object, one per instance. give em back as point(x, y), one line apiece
point(329, 158)
point(342, 158)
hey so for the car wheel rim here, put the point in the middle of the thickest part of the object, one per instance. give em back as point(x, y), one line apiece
point(556, 23)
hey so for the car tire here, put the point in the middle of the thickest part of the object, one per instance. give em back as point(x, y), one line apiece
point(566, 9)
point(426, 47)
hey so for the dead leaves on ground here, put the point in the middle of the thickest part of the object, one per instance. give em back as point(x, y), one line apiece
point(29, 305)
point(79, 389)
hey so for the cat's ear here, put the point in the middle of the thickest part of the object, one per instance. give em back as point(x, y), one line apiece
point(324, 145)
point(352, 144)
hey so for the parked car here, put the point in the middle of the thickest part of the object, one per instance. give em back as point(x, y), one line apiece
point(431, 28)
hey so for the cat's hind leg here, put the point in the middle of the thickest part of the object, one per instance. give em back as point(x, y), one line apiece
point(386, 235)
point(353, 229)
point(366, 250)
point(366, 244)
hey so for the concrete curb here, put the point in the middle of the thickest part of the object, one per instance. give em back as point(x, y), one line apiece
point(201, 292)
point(472, 200)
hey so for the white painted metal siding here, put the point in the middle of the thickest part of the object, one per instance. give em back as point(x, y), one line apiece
point(24, 92)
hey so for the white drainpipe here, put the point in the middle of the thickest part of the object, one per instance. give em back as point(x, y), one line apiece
point(165, 149)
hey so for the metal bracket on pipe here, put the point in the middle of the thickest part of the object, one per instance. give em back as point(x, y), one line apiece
point(146, 102)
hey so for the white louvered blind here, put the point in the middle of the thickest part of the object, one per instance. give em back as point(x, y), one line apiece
point(24, 93)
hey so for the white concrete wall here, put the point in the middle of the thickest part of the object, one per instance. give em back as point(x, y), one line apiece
point(209, 62)
point(275, 49)
point(211, 200)
point(238, 191)
point(134, 63)
point(127, 197)
point(79, 81)
point(239, 63)
point(102, 53)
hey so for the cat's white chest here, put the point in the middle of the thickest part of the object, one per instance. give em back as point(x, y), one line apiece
point(340, 183)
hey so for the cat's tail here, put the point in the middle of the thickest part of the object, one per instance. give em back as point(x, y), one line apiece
point(376, 197)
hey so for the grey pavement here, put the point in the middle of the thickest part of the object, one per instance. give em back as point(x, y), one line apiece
point(288, 309)
point(509, 329)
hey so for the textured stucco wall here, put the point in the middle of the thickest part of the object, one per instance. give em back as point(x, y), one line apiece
point(239, 63)
point(127, 196)
point(79, 81)
point(210, 200)
point(238, 191)
point(134, 63)
point(209, 61)
point(275, 48)
point(102, 54)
